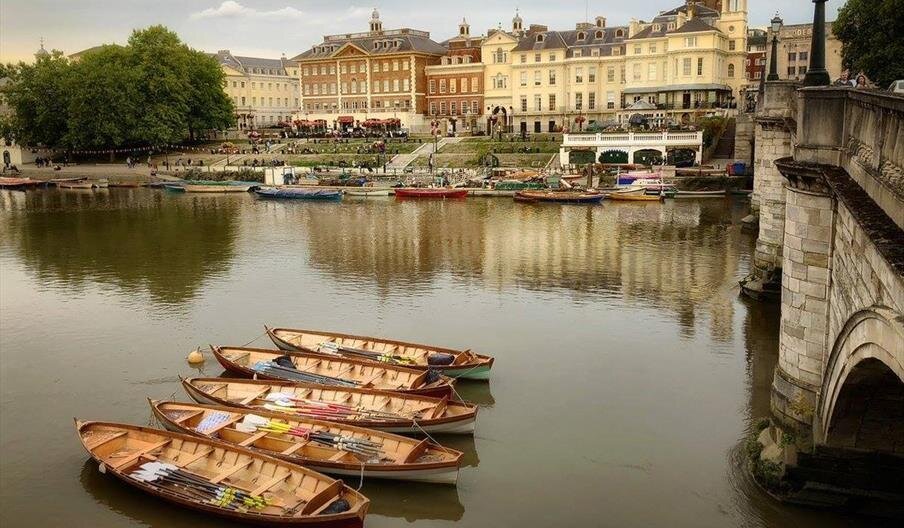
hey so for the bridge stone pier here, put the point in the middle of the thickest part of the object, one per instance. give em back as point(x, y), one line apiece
point(839, 381)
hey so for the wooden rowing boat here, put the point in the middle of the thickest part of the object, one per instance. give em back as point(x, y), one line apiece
point(700, 194)
point(416, 192)
point(258, 362)
point(461, 363)
point(18, 183)
point(384, 455)
point(634, 195)
point(381, 410)
point(367, 192)
point(294, 495)
point(575, 197)
point(209, 188)
point(75, 185)
point(294, 193)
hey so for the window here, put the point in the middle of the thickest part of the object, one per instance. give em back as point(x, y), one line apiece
point(524, 103)
point(363, 87)
point(386, 85)
point(537, 57)
point(619, 33)
point(376, 67)
point(731, 45)
point(690, 42)
point(452, 108)
point(552, 57)
point(524, 58)
point(540, 38)
point(432, 85)
point(591, 101)
point(792, 57)
point(591, 74)
point(464, 84)
point(636, 72)
point(405, 84)
point(353, 67)
point(579, 75)
point(610, 74)
point(395, 65)
point(616, 51)
point(475, 108)
point(304, 71)
point(524, 78)
point(637, 50)
point(700, 66)
point(343, 68)
point(610, 100)
point(538, 103)
point(791, 70)
point(552, 102)
point(464, 108)
point(405, 65)
point(499, 56)
point(651, 71)
point(442, 108)
point(552, 77)
point(595, 52)
point(253, 85)
point(581, 36)
point(442, 86)
point(579, 101)
point(432, 108)
point(803, 55)
point(731, 70)
point(686, 66)
point(599, 34)
point(537, 78)
point(801, 70)
point(332, 69)
point(652, 48)
point(452, 86)
point(474, 85)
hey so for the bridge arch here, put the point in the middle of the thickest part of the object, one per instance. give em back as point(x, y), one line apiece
point(614, 155)
point(863, 385)
point(648, 156)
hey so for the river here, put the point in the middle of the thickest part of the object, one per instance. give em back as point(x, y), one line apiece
point(628, 371)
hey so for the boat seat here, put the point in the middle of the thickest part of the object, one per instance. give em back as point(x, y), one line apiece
point(194, 457)
point(270, 483)
point(440, 407)
point(253, 438)
point(294, 447)
point(249, 399)
point(132, 457)
point(104, 438)
point(226, 473)
point(322, 498)
point(415, 452)
point(188, 416)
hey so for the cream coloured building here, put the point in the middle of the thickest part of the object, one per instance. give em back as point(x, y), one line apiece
point(264, 91)
point(684, 63)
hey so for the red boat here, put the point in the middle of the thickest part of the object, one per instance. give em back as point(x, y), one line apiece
point(417, 192)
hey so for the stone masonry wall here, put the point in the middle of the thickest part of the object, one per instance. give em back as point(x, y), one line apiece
point(743, 151)
point(773, 141)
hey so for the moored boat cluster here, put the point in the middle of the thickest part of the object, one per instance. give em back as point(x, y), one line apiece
point(255, 447)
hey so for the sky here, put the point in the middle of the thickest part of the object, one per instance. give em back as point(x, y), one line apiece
point(268, 28)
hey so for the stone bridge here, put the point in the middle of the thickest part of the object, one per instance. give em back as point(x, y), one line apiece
point(829, 188)
point(631, 142)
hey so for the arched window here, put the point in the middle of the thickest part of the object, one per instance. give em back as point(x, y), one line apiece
point(619, 33)
point(731, 70)
point(540, 38)
point(599, 34)
point(581, 36)
point(500, 56)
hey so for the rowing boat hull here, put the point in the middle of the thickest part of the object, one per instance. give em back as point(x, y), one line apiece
point(474, 367)
point(298, 194)
point(439, 389)
point(430, 193)
point(354, 518)
point(377, 192)
point(444, 471)
point(205, 188)
point(559, 197)
point(463, 422)
point(700, 194)
point(633, 197)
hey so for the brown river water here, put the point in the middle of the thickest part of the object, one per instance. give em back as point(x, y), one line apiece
point(628, 371)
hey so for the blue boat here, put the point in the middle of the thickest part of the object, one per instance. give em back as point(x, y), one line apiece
point(298, 194)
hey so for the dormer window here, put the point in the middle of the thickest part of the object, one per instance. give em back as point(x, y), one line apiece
point(671, 26)
point(599, 34)
point(581, 36)
point(657, 27)
point(619, 33)
point(539, 38)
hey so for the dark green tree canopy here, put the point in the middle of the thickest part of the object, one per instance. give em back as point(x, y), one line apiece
point(152, 91)
point(872, 37)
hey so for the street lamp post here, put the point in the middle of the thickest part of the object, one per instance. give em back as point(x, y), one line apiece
point(816, 72)
point(773, 64)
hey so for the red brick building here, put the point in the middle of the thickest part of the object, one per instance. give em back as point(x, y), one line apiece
point(455, 85)
point(354, 77)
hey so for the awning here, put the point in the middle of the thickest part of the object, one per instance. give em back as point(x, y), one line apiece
point(678, 88)
point(346, 119)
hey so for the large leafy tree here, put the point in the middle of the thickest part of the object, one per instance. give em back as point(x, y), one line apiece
point(871, 35)
point(153, 91)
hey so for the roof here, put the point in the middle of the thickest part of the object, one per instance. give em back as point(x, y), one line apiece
point(594, 37)
point(88, 50)
point(693, 25)
point(255, 65)
point(396, 43)
point(676, 88)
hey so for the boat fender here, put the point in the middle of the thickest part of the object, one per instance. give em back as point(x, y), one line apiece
point(440, 359)
point(284, 361)
point(433, 375)
point(337, 506)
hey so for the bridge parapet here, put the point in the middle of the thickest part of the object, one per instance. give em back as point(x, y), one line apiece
point(840, 373)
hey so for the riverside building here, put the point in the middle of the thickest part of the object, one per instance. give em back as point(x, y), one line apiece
point(264, 91)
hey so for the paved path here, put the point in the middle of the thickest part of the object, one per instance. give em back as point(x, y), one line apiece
point(400, 161)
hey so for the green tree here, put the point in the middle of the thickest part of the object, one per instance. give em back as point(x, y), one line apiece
point(104, 100)
point(39, 95)
point(209, 107)
point(871, 35)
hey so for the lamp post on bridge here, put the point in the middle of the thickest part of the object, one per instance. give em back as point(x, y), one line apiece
point(773, 62)
point(816, 72)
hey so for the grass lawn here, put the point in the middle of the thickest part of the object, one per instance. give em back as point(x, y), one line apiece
point(462, 161)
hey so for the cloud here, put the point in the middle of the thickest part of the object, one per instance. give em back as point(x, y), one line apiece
point(354, 12)
point(232, 9)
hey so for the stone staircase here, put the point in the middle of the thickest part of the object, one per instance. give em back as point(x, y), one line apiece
point(400, 161)
point(726, 145)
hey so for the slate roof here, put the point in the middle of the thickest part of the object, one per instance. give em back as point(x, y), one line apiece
point(569, 40)
point(255, 65)
point(693, 25)
point(407, 42)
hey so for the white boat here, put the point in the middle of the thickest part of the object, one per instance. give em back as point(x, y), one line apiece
point(366, 192)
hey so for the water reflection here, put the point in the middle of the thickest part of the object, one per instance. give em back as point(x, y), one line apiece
point(411, 501)
point(138, 240)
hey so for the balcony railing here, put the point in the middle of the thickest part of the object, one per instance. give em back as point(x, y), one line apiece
point(666, 138)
